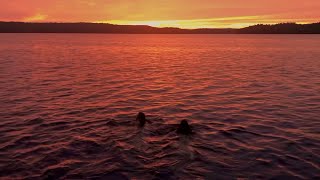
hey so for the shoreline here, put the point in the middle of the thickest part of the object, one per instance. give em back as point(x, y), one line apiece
point(100, 28)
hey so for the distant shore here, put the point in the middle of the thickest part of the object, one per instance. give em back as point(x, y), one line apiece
point(103, 28)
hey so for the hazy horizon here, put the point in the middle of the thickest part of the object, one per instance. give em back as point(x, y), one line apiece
point(270, 24)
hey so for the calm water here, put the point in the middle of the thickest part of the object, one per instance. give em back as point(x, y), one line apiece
point(68, 104)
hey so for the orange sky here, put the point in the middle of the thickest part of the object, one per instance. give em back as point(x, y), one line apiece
point(160, 13)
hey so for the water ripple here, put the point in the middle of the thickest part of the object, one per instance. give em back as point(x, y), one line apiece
point(68, 106)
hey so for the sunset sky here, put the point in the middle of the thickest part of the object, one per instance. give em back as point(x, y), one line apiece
point(161, 13)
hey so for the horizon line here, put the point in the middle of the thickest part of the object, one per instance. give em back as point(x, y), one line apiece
point(267, 24)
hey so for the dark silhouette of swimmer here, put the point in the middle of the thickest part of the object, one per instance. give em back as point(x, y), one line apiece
point(141, 117)
point(184, 128)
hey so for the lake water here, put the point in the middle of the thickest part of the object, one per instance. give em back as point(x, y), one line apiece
point(68, 104)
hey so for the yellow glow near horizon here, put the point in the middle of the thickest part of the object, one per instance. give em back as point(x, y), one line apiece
point(37, 17)
point(228, 22)
point(191, 24)
point(189, 14)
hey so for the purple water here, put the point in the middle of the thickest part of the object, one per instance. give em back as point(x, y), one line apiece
point(68, 104)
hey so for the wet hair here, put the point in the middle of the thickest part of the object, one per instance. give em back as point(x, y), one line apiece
point(141, 117)
point(184, 128)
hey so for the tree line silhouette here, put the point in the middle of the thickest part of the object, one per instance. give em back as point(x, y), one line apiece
point(22, 27)
point(283, 28)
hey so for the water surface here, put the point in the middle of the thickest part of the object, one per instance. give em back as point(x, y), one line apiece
point(68, 104)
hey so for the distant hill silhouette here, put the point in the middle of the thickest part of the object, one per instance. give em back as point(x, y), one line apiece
point(283, 28)
point(21, 27)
